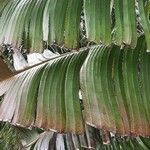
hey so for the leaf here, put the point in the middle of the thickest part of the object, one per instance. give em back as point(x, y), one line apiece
point(114, 85)
point(5, 84)
point(125, 24)
point(3, 4)
point(96, 112)
point(97, 21)
point(144, 14)
point(34, 24)
point(35, 27)
point(47, 96)
point(72, 23)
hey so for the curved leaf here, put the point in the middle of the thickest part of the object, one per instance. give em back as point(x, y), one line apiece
point(115, 87)
point(34, 24)
point(47, 96)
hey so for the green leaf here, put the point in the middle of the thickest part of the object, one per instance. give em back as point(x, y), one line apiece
point(125, 23)
point(115, 89)
point(3, 4)
point(47, 96)
point(72, 23)
point(98, 21)
point(144, 14)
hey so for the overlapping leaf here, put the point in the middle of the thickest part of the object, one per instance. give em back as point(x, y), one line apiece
point(115, 87)
point(34, 24)
point(29, 23)
point(114, 84)
point(47, 96)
